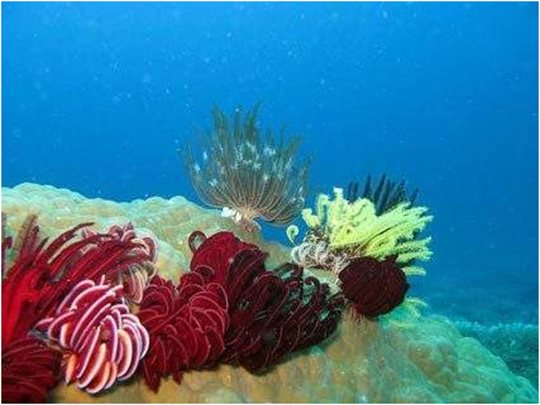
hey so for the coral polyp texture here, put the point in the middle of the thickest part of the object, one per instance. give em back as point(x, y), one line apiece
point(102, 341)
point(516, 343)
point(247, 174)
point(428, 361)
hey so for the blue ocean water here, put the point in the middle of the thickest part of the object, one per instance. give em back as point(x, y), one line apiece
point(98, 97)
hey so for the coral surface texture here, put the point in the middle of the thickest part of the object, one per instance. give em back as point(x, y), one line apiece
point(424, 360)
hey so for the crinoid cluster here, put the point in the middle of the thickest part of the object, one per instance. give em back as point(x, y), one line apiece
point(350, 230)
point(230, 309)
point(36, 285)
point(247, 175)
point(342, 234)
point(186, 323)
point(136, 276)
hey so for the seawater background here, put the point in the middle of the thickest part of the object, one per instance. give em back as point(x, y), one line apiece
point(98, 98)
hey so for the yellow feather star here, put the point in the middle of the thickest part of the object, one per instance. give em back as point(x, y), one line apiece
point(356, 229)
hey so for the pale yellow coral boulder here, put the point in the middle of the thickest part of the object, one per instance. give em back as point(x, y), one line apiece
point(428, 361)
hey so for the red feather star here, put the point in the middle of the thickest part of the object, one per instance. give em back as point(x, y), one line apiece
point(230, 309)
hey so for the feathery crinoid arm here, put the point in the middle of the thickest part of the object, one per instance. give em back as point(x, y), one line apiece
point(356, 229)
point(247, 174)
point(392, 233)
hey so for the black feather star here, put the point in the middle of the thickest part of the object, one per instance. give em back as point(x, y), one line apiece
point(385, 196)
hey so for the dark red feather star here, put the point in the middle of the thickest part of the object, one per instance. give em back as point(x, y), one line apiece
point(230, 309)
point(374, 287)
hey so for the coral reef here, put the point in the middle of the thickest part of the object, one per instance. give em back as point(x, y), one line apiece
point(247, 175)
point(506, 321)
point(516, 343)
point(168, 221)
point(427, 361)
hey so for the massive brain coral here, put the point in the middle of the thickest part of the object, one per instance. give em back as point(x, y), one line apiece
point(429, 361)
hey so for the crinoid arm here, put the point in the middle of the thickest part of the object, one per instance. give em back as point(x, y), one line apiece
point(249, 175)
point(357, 229)
point(385, 195)
point(373, 253)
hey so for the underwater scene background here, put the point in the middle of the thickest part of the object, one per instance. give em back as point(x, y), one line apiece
point(99, 98)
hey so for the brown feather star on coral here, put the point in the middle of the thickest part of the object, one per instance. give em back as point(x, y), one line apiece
point(246, 175)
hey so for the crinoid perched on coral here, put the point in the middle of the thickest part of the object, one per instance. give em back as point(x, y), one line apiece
point(272, 313)
point(102, 340)
point(232, 326)
point(374, 287)
point(36, 282)
point(347, 230)
point(247, 175)
point(136, 276)
point(342, 233)
point(230, 309)
point(186, 323)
